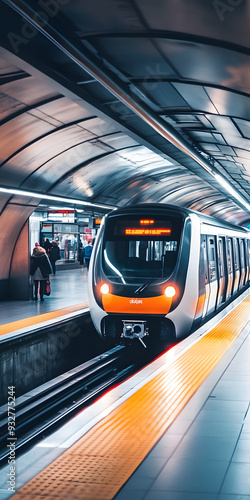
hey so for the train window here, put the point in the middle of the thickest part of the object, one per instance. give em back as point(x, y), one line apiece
point(247, 252)
point(236, 254)
point(221, 259)
point(211, 259)
point(242, 254)
point(247, 246)
point(204, 248)
point(229, 255)
point(134, 251)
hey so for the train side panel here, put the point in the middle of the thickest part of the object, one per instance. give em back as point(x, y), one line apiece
point(96, 312)
point(183, 316)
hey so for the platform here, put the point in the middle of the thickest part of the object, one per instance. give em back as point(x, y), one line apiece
point(177, 430)
point(68, 294)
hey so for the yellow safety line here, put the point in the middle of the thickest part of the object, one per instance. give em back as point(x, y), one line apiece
point(98, 465)
point(40, 318)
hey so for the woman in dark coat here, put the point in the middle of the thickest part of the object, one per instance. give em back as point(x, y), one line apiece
point(54, 255)
point(40, 269)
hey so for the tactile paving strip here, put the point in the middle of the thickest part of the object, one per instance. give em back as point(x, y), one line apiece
point(41, 318)
point(98, 465)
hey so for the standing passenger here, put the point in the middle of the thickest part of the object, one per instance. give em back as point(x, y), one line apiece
point(40, 269)
point(54, 255)
point(88, 251)
point(47, 245)
point(82, 253)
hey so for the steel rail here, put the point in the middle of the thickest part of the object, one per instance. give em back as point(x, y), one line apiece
point(53, 403)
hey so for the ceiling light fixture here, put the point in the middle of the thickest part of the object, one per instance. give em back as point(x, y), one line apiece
point(43, 196)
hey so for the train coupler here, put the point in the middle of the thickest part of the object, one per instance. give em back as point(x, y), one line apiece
point(134, 330)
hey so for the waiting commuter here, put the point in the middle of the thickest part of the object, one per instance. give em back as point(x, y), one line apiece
point(40, 269)
point(47, 245)
point(54, 255)
point(87, 253)
point(81, 254)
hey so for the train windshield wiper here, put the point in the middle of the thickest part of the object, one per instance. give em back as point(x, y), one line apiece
point(145, 285)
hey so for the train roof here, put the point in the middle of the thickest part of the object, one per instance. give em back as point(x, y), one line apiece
point(176, 209)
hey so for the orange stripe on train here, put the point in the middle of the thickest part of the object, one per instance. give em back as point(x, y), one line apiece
point(200, 305)
point(148, 305)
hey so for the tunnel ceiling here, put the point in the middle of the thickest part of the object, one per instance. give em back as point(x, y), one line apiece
point(117, 102)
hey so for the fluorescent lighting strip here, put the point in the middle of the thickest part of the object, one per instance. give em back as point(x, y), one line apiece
point(231, 190)
point(43, 196)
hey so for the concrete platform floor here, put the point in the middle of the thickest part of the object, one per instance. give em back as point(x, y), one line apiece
point(68, 287)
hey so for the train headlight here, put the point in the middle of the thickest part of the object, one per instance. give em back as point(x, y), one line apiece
point(170, 291)
point(104, 289)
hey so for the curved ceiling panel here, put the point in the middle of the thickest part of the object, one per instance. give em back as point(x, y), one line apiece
point(122, 102)
point(25, 128)
point(225, 21)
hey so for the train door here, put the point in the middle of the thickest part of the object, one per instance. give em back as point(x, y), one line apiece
point(212, 274)
point(242, 263)
point(247, 249)
point(205, 261)
point(229, 252)
point(236, 265)
point(201, 294)
point(222, 277)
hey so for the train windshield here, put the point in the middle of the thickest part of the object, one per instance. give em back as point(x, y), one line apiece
point(137, 248)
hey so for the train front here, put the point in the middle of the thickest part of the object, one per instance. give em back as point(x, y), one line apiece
point(138, 273)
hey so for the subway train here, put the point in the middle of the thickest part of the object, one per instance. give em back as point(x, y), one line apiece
point(158, 272)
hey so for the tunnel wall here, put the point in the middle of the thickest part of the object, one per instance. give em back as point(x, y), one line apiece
point(14, 247)
point(19, 288)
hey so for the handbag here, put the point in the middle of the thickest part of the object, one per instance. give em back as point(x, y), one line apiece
point(47, 287)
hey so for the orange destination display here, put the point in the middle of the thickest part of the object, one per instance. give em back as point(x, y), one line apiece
point(145, 232)
point(147, 221)
point(157, 231)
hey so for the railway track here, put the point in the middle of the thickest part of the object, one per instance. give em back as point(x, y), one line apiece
point(42, 410)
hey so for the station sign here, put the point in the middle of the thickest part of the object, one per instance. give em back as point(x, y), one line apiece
point(46, 228)
point(94, 222)
point(62, 215)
